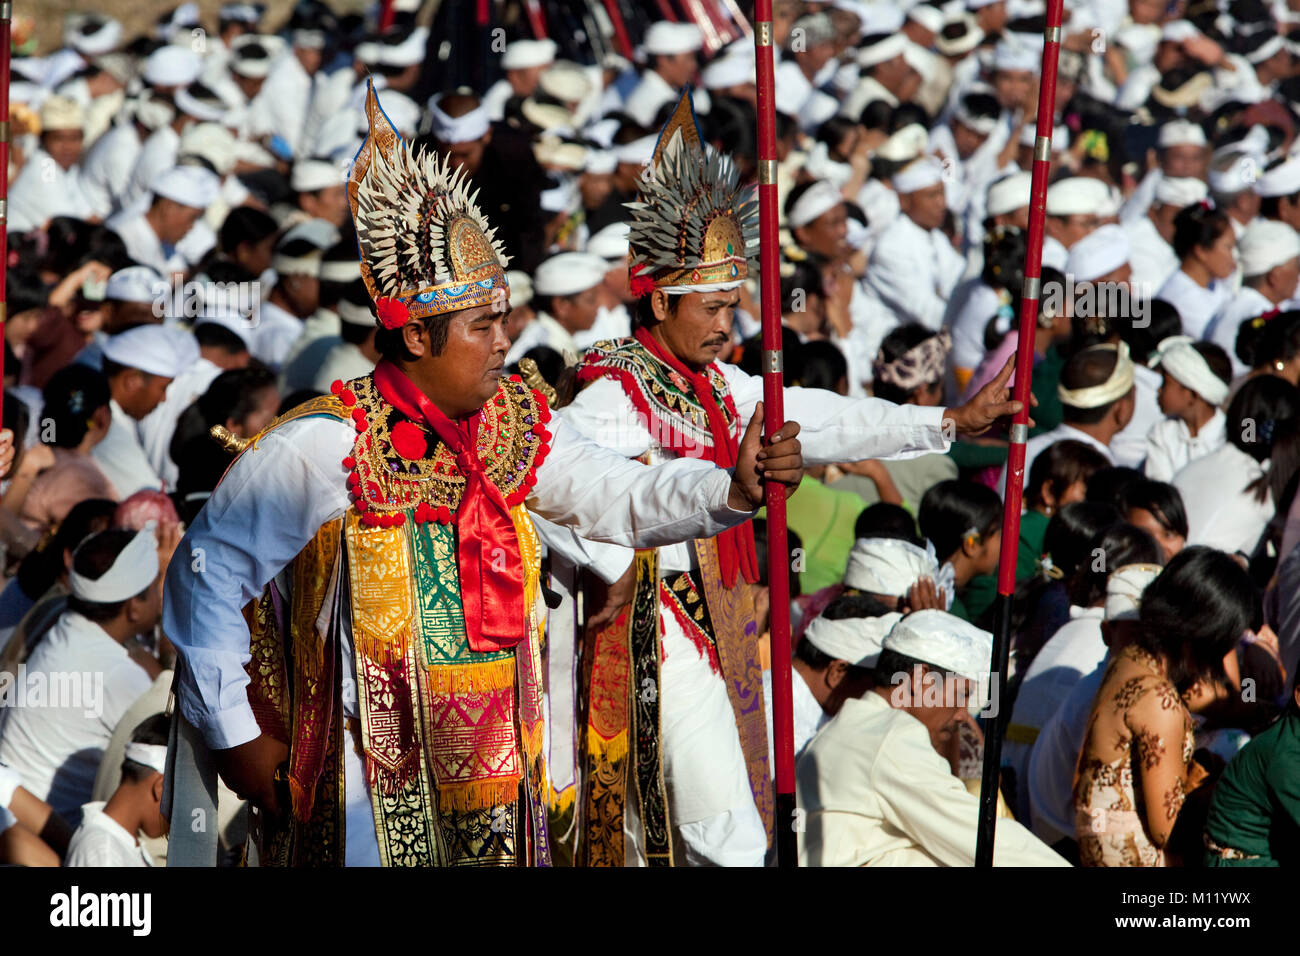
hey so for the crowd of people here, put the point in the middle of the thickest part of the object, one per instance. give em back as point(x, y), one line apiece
point(195, 253)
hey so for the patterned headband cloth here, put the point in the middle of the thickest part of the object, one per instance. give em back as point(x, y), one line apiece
point(920, 365)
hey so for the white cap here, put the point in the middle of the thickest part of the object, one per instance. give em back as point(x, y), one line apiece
point(906, 143)
point(149, 348)
point(228, 316)
point(725, 71)
point(546, 116)
point(524, 54)
point(556, 153)
point(133, 570)
point(211, 141)
point(1234, 171)
point(407, 53)
point(94, 36)
point(600, 161)
point(855, 640)
point(1099, 253)
point(135, 284)
point(1077, 195)
point(969, 40)
point(927, 16)
point(171, 66)
point(665, 39)
point(561, 196)
point(917, 175)
point(148, 755)
point(639, 152)
point(886, 48)
point(1266, 243)
point(309, 175)
point(321, 233)
point(566, 82)
point(457, 129)
point(888, 566)
point(1016, 55)
point(1008, 194)
point(521, 288)
point(610, 243)
point(944, 641)
point(190, 186)
point(201, 110)
point(59, 112)
point(1124, 590)
point(817, 200)
point(1180, 190)
point(878, 18)
point(569, 273)
point(1180, 132)
point(1282, 180)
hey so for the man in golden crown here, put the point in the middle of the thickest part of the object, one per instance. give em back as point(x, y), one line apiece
point(674, 756)
point(359, 623)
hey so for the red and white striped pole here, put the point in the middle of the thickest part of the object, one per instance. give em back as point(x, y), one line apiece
point(778, 550)
point(1019, 431)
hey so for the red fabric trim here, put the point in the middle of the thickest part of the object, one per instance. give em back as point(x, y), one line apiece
point(692, 630)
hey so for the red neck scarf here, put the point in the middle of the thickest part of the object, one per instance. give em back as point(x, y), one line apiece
point(487, 553)
point(735, 545)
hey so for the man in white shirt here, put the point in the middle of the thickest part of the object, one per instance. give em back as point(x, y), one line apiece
point(523, 61)
point(90, 675)
point(178, 198)
point(1269, 252)
point(354, 354)
point(671, 50)
point(109, 831)
point(1097, 398)
point(566, 299)
point(914, 265)
point(613, 320)
point(1195, 380)
point(139, 364)
point(294, 297)
point(282, 103)
point(50, 182)
point(1151, 235)
point(872, 786)
point(1183, 153)
point(1076, 206)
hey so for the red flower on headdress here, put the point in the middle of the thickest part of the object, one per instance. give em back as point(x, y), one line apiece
point(408, 441)
point(393, 313)
point(641, 285)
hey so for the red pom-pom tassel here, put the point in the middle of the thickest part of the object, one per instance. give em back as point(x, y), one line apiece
point(336, 386)
point(393, 313)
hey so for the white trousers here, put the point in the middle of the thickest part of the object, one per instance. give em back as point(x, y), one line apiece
point(710, 804)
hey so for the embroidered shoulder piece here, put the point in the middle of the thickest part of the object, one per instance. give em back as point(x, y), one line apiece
point(674, 417)
point(398, 466)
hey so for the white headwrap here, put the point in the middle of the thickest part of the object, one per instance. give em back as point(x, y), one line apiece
point(134, 569)
point(1124, 590)
point(855, 640)
point(1181, 191)
point(1115, 387)
point(459, 129)
point(1188, 368)
point(917, 175)
point(888, 565)
point(819, 198)
point(1265, 244)
point(1099, 253)
point(943, 640)
point(151, 755)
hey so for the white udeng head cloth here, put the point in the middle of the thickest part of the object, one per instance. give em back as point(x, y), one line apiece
point(856, 640)
point(457, 129)
point(1189, 369)
point(1124, 590)
point(1115, 387)
point(888, 565)
point(134, 569)
point(944, 641)
point(819, 198)
point(151, 755)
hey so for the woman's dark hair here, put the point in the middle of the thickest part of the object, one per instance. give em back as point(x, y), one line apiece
point(232, 395)
point(875, 115)
point(244, 224)
point(833, 131)
point(1257, 410)
point(72, 395)
point(824, 365)
point(1059, 466)
point(1116, 546)
point(1004, 258)
point(894, 346)
point(1070, 530)
point(1107, 484)
point(1262, 342)
point(24, 291)
point(1161, 499)
point(883, 520)
point(1198, 225)
point(1194, 613)
point(1142, 337)
point(908, 114)
point(951, 509)
point(41, 567)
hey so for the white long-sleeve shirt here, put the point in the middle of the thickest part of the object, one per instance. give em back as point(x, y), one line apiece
point(876, 793)
point(278, 494)
point(1171, 445)
point(831, 428)
point(1221, 512)
point(913, 271)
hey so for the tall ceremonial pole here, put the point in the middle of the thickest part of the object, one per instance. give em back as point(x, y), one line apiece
point(778, 552)
point(6, 19)
point(1019, 432)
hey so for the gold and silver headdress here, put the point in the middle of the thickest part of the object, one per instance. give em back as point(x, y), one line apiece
point(425, 247)
point(693, 227)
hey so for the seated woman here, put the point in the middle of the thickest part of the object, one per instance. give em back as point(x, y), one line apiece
point(1157, 508)
point(1227, 493)
point(963, 520)
point(1136, 769)
point(1059, 477)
